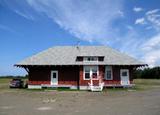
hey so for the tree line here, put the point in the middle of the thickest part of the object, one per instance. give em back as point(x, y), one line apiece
point(13, 76)
point(148, 73)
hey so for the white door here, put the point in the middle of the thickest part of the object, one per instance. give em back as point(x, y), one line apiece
point(124, 73)
point(54, 77)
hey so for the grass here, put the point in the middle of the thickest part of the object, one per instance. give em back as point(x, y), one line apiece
point(144, 84)
point(5, 80)
point(4, 83)
point(147, 81)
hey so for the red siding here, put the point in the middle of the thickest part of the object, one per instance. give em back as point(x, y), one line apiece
point(116, 75)
point(39, 76)
point(67, 75)
point(83, 82)
point(72, 75)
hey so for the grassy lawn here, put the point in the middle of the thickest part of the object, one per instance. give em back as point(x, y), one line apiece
point(144, 84)
point(4, 84)
point(150, 82)
point(4, 80)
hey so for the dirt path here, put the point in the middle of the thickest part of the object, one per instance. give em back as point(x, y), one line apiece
point(80, 102)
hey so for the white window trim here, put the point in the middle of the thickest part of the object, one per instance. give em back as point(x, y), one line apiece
point(85, 59)
point(106, 68)
point(85, 66)
point(122, 70)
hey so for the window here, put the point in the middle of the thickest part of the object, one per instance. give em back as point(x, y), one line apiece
point(79, 58)
point(91, 58)
point(54, 75)
point(90, 71)
point(87, 72)
point(101, 58)
point(94, 72)
point(124, 73)
point(108, 73)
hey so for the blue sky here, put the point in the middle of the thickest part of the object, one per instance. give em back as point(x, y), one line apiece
point(30, 26)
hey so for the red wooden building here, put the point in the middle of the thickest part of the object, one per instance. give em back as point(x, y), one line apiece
point(77, 66)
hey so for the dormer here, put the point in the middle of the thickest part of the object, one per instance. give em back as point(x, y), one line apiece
point(90, 58)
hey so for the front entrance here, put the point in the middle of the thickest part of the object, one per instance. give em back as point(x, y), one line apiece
point(124, 73)
point(54, 77)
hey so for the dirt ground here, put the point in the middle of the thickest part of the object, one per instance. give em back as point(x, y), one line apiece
point(123, 102)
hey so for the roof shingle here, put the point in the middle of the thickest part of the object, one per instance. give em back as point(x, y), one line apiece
point(66, 55)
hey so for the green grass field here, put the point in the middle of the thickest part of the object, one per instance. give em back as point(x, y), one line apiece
point(147, 82)
point(4, 80)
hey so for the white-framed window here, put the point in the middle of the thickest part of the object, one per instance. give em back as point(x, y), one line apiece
point(108, 73)
point(90, 58)
point(124, 72)
point(86, 72)
point(90, 71)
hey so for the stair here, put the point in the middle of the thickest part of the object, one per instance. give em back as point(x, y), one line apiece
point(96, 88)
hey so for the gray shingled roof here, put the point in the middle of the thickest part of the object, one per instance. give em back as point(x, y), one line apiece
point(66, 55)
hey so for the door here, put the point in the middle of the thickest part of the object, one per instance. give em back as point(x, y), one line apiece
point(54, 77)
point(124, 73)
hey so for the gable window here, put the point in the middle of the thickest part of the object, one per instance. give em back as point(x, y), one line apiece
point(79, 58)
point(91, 58)
point(90, 71)
point(108, 73)
point(101, 58)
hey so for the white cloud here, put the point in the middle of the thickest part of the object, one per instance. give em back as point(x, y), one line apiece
point(151, 19)
point(140, 21)
point(137, 9)
point(151, 49)
point(87, 20)
point(154, 18)
point(27, 16)
point(152, 11)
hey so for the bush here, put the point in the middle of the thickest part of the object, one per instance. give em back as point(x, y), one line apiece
point(148, 73)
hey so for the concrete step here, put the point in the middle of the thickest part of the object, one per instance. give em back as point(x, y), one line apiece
point(96, 88)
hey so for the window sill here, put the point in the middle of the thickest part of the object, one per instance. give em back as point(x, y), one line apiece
point(90, 79)
point(108, 79)
point(86, 79)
